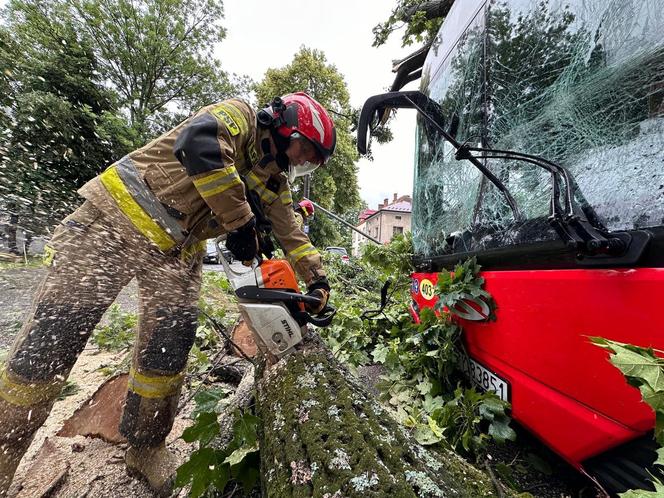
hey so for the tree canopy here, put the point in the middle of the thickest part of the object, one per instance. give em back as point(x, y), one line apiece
point(335, 185)
point(85, 81)
point(156, 53)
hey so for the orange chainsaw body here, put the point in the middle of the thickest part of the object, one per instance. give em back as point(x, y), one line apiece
point(278, 274)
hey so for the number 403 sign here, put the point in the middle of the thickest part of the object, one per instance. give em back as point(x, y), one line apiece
point(427, 289)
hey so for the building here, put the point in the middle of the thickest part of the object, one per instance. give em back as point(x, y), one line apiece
point(384, 223)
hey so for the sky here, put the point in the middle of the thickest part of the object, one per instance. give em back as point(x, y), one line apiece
point(263, 34)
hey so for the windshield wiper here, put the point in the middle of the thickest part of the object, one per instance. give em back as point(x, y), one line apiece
point(571, 222)
point(380, 104)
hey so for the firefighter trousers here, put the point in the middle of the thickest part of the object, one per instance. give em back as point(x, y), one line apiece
point(93, 256)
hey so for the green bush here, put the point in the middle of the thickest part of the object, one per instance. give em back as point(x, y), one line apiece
point(422, 382)
point(119, 333)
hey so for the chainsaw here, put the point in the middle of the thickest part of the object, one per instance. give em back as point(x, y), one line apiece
point(270, 301)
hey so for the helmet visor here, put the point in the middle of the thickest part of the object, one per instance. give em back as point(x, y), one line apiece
point(301, 170)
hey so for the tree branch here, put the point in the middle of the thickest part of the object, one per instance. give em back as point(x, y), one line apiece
point(431, 9)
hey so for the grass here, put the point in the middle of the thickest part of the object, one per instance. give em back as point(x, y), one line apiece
point(32, 262)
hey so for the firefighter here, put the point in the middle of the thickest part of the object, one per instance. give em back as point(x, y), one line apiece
point(303, 211)
point(148, 216)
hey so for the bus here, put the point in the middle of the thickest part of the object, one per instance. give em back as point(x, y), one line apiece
point(540, 152)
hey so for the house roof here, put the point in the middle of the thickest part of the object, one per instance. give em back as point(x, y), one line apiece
point(403, 206)
point(365, 214)
point(400, 207)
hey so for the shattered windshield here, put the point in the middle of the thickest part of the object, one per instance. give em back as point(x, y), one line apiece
point(580, 83)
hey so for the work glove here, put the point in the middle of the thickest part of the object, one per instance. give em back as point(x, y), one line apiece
point(243, 242)
point(321, 290)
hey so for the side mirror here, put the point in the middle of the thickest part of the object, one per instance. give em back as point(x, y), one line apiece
point(376, 107)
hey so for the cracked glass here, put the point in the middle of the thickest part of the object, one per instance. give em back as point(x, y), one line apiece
point(580, 83)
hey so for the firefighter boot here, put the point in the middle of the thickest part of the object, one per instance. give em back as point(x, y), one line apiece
point(155, 465)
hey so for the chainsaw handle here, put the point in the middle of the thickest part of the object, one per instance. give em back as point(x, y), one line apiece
point(322, 318)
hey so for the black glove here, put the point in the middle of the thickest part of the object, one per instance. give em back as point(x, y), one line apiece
point(321, 290)
point(242, 242)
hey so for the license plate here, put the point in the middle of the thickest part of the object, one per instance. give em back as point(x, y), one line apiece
point(484, 378)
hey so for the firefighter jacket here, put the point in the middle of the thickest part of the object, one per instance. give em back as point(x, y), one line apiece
point(187, 185)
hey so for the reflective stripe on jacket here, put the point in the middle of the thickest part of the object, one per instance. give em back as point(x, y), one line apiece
point(195, 172)
point(140, 205)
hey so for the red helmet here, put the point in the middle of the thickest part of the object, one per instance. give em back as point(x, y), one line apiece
point(307, 207)
point(299, 113)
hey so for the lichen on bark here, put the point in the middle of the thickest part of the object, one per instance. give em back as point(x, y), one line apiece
point(324, 436)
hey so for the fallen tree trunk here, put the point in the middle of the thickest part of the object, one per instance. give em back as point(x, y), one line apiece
point(325, 436)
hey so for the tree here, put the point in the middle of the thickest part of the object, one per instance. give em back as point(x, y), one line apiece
point(335, 185)
point(93, 80)
point(62, 124)
point(422, 19)
point(156, 53)
point(324, 435)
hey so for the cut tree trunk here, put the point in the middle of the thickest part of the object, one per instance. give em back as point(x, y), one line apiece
point(325, 436)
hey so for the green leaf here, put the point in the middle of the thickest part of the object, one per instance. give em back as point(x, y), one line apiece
point(643, 370)
point(207, 401)
point(245, 429)
point(238, 455)
point(634, 361)
point(501, 431)
point(433, 425)
point(431, 403)
point(380, 353)
point(660, 457)
point(425, 436)
point(424, 387)
point(202, 470)
point(641, 493)
point(247, 471)
point(204, 429)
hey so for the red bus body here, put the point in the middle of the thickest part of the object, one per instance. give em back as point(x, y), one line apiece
point(562, 387)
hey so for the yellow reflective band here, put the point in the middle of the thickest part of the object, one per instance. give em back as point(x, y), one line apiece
point(286, 197)
point(21, 394)
point(300, 252)
point(312, 252)
point(141, 220)
point(220, 174)
point(237, 116)
point(192, 250)
point(218, 182)
point(49, 254)
point(154, 387)
point(254, 183)
point(221, 188)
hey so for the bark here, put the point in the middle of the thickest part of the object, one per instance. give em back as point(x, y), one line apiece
point(432, 9)
point(325, 436)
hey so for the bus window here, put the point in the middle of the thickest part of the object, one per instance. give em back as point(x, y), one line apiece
point(578, 82)
point(447, 189)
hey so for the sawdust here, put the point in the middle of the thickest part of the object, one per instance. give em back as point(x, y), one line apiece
point(96, 468)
